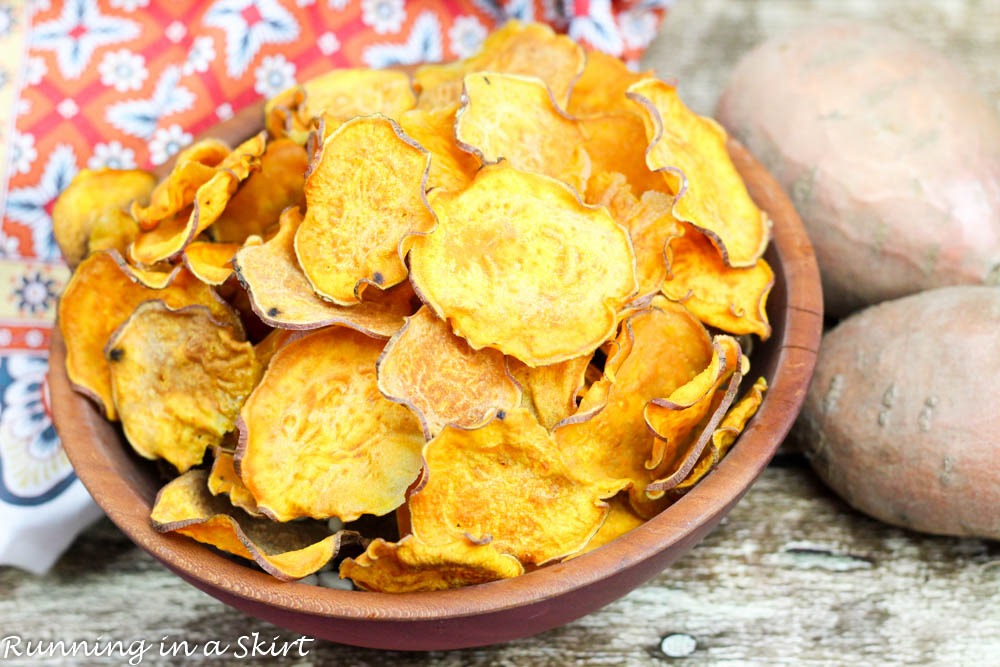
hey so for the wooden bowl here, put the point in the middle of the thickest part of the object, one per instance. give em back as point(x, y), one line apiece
point(124, 486)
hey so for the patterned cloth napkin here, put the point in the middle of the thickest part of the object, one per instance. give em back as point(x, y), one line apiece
point(127, 83)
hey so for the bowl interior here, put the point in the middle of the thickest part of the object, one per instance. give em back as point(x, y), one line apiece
point(125, 487)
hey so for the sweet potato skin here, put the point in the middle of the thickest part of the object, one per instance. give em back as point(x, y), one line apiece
point(890, 155)
point(901, 419)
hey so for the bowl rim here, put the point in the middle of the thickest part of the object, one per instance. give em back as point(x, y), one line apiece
point(79, 423)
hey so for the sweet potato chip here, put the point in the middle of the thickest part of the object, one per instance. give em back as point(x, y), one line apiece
point(444, 381)
point(286, 551)
point(602, 86)
point(616, 142)
point(280, 119)
point(169, 238)
point(113, 229)
point(211, 263)
point(550, 392)
point(725, 435)
point(529, 49)
point(178, 379)
point(90, 194)
point(651, 226)
point(451, 167)
point(665, 348)
point(677, 419)
point(411, 565)
point(621, 519)
point(363, 195)
point(195, 165)
point(262, 197)
point(548, 511)
point(729, 299)
point(515, 118)
point(282, 297)
point(691, 151)
point(268, 346)
point(317, 437)
point(517, 256)
point(99, 296)
point(611, 190)
point(224, 480)
point(343, 94)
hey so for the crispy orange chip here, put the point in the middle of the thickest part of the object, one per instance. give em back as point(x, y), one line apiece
point(678, 421)
point(262, 197)
point(529, 49)
point(224, 480)
point(725, 435)
point(272, 342)
point(428, 368)
point(551, 391)
point(280, 119)
point(517, 256)
point(178, 379)
point(211, 263)
point(651, 227)
point(451, 167)
point(602, 86)
point(515, 118)
point(616, 142)
point(665, 348)
point(729, 299)
point(113, 229)
point(548, 511)
point(282, 297)
point(363, 195)
point(169, 238)
point(621, 519)
point(286, 551)
point(691, 151)
point(411, 565)
point(612, 190)
point(317, 437)
point(343, 94)
point(195, 165)
point(99, 296)
point(92, 194)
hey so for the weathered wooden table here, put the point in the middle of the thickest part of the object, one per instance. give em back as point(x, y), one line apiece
point(792, 577)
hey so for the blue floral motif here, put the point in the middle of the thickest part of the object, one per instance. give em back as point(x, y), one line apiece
point(31, 205)
point(36, 293)
point(249, 24)
point(598, 27)
point(140, 118)
point(423, 45)
point(78, 32)
point(33, 466)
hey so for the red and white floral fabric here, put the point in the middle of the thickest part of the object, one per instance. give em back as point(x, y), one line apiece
point(128, 83)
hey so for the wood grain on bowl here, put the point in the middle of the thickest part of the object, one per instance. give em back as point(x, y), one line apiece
point(504, 610)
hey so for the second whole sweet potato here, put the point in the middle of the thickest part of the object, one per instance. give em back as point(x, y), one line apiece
point(902, 417)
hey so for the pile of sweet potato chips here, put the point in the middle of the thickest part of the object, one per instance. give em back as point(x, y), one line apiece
point(504, 301)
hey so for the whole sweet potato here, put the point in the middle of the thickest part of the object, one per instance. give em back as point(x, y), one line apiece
point(890, 154)
point(902, 417)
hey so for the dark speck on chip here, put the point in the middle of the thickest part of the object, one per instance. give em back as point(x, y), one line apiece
point(116, 354)
point(273, 312)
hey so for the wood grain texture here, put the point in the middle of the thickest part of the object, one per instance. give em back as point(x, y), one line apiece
point(791, 577)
